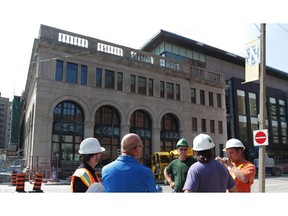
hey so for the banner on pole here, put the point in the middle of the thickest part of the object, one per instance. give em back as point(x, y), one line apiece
point(252, 63)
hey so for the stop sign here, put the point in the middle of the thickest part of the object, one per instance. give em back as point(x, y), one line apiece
point(260, 137)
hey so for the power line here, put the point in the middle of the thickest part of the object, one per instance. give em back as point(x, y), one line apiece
point(282, 27)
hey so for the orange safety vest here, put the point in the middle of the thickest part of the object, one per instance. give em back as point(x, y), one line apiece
point(85, 176)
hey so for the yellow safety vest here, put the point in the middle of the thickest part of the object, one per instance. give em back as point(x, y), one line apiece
point(85, 176)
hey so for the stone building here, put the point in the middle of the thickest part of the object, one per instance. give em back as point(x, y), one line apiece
point(79, 87)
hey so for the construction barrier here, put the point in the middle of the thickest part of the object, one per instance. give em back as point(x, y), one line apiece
point(37, 183)
point(20, 183)
point(13, 177)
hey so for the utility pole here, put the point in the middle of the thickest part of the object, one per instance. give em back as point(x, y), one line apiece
point(262, 106)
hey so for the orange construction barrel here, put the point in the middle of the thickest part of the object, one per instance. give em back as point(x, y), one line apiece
point(13, 177)
point(20, 182)
point(37, 183)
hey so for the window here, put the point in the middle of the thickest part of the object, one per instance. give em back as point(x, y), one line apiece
point(120, 81)
point(212, 126)
point(177, 92)
point(241, 102)
point(220, 127)
point(193, 95)
point(203, 125)
point(219, 101)
point(71, 74)
point(109, 79)
point(194, 124)
point(151, 88)
point(211, 101)
point(142, 85)
point(170, 90)
point(243, 128)
point(98, 77)
point(252, 104)
point(162, 89)
point(132, 83)
point(83, 75)
point(202, 97)
point(59, 70)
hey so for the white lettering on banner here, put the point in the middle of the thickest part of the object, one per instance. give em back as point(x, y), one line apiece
point(252, 62)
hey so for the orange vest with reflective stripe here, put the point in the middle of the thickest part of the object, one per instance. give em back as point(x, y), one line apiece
point(85, 176)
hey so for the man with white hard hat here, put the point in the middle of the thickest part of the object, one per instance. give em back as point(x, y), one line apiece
point(242, 171)
point(207, 174)
point(84, 176)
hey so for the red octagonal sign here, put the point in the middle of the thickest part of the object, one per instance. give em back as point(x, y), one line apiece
point(260, 137)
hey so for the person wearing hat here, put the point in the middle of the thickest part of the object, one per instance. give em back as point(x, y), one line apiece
point(242, 171)
point(84, 176)
point(207, 174)
point(178, 168)
point(126, 174)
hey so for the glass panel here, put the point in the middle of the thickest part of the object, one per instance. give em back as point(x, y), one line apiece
point(142, 85)
point(132, 83)
point(119, 81)
point(109, 79)
point(98, 77)
point(241, 102)
point(252, 104)
point(83, 75)
point(170, 90)
point(71, 74)
point(59, 70)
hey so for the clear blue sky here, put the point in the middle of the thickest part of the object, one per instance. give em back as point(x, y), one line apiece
point(224, 24)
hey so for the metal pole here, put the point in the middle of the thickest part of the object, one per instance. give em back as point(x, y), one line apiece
point(262, 107)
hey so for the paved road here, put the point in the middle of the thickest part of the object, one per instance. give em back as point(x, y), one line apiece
point(273, 184)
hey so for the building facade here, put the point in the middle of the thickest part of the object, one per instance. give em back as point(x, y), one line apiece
point(5, 122)
point(80, 87)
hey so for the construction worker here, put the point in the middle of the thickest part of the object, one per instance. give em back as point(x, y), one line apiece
point(207, 174)
point(242, 171)
point(84, 176)
point(178, 168)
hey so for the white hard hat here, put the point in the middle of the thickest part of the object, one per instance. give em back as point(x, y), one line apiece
point(203, 142)
point(234, 143)
point(90, 146)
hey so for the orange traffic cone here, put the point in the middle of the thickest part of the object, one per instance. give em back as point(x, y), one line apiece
point(20, 182)
point(37, 183)
point(13, 177)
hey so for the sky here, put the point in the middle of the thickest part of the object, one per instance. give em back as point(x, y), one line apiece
point(224, 24)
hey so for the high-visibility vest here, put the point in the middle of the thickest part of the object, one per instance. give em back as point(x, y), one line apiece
point(85, 176)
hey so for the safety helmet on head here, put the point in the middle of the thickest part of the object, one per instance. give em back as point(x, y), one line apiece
point(234, 143)
point(182, 142)
point(203, 142)
point(90, 146)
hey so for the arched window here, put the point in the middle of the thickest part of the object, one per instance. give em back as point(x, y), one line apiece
point(107, 131)
point(140, 123)
point(68, 130)
point(169, 132)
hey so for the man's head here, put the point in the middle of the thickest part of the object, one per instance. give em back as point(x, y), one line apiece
point(131, 145)
point(182, 148)
point(235, 150)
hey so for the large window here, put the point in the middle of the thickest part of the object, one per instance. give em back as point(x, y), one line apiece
point(72, 73)
point(151, 87)
point(107, 131)
point(119, 81)
point(59, 70)
point(170, 90)
point(162, 95)
point(241, 102)
point(211, 99)
point(109, 79)
point(98, 77)
point(132, 83)
point(140, 123)
point(142, 85)
point(68, 131)
point(169, 132)
point(193, 95)
point(219, 101)
point(203, 125)
point(194, 124)
point(83, 75)
point(202, 97)
point(178, 92)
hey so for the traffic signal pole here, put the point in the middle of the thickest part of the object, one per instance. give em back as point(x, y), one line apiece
point(262, 107)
